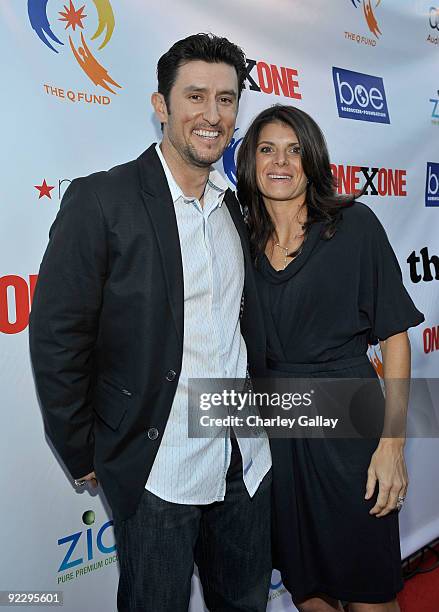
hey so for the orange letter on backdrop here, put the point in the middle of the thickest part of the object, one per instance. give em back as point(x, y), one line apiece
point(23, 294)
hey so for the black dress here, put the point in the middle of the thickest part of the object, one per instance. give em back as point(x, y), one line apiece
point(321, 313)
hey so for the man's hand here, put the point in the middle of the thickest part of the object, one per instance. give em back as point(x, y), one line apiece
point(89, 479)
point(388, 468)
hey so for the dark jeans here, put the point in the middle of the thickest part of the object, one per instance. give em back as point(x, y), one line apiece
point(228, 540)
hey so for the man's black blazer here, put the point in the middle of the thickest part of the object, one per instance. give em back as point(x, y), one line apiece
point(106, 326)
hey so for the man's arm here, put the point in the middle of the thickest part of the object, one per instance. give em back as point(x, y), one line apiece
point(64, 323)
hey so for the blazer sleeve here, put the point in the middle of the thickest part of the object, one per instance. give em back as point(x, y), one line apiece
point(63, 324)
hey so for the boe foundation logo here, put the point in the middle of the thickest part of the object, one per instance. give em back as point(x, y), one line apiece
point(360, 96)
point(432, 184)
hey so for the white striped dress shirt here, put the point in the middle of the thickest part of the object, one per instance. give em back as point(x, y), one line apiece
point(193, 470)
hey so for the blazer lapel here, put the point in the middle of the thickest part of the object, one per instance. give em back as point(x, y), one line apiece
point(238, 220)
point(252, 322)
point(160, 208)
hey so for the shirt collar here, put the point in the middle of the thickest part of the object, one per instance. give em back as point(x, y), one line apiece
point(215, 181)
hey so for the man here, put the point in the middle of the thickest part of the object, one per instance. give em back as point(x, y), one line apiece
point(140, 290)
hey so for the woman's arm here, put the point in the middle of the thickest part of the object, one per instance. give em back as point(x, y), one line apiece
point(387, 466)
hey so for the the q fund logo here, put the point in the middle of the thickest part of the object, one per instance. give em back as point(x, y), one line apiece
point(83, 31)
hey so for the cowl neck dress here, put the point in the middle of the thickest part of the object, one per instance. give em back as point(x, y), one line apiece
point(321, 313)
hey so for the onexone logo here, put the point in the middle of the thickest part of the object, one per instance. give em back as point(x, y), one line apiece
point(271, 79)
point(430, 339)
point(16, 294)
point(375, 181)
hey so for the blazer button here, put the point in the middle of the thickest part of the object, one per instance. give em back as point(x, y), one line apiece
point(153, 433)
point(170, 376)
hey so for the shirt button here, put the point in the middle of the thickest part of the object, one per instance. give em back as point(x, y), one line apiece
point(153, 433)
point(170, 376)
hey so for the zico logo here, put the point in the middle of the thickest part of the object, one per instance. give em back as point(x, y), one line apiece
point(430, 265)
point(82, 546)
point(369, 9)
point(378, 181)
point(435, 111)
point(432, 185)
point(431, 339)
point(229, 158)
point(360, 96)
point(73, 19)
point(270, 78)
point(16, 296)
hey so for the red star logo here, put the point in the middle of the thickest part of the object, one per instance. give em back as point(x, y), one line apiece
point(44, 189)
point(72, 16)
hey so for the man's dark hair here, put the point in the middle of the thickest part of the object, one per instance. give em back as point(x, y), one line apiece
point(206, 47)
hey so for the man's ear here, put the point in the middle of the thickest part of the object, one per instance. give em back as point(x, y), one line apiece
point(160, 108)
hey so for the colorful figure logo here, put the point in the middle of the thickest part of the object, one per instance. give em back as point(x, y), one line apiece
point(73, 18)
point(376, 359)
point(229, 159)
point(369, 14)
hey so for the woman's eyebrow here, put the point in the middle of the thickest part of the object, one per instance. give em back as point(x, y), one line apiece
point(272, 143)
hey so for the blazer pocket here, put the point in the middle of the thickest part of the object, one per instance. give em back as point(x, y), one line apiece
point(111, 402)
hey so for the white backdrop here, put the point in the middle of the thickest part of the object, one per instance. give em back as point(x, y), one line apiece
point(73, 103)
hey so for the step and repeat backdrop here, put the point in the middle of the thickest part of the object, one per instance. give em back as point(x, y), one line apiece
point(76, 83)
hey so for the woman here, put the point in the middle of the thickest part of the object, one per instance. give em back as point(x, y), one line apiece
point(330, 284)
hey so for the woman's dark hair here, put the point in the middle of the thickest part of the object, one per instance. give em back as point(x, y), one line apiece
point(206, 47)
point(322, 201)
